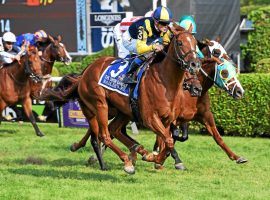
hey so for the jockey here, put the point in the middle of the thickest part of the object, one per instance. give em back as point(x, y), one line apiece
point(122, 27)
point(142, 36)
point(118, 32)
point(35, 39)
point(185, 22)
point(9, 51)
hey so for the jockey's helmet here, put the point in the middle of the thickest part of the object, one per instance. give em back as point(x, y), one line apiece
point(185, 22)
point(162, 15)
point(40, 34)
point(9, 37)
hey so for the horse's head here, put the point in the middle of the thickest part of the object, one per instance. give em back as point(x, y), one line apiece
point(32, 64)
point(192, 84)
point(224, 75)
point(58, 50)
point(184, 47)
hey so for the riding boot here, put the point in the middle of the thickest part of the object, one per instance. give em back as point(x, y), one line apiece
point(130, 76)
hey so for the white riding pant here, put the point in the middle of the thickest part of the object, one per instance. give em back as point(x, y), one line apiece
point(117, 33)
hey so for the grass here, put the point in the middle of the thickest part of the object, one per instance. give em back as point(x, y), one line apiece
point(44, 168)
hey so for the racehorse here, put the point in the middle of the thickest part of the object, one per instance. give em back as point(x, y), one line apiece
point(194, 107)
point(15, 85)
point(54, 51)
point(214, 71)
point(160, 93)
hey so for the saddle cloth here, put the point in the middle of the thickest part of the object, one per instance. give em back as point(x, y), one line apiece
point(112, 78)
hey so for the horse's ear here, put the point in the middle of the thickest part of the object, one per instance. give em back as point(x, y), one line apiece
point(59, 38)
point(51, 38)
point(190, 28)
point(174, 28)
point(218, 39)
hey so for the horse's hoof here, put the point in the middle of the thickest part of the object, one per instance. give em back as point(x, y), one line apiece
point(149, 157)
point(40, 134)
point(241, 160)
point(159, 166)
point(92, 160)
point(104, 168)
point(180, 166)
point(129, 169)
point(73, 148)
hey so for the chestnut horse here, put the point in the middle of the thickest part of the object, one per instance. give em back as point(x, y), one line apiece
point(160, 89)
point(15, 83)
point(198, 108)
point(52, 50)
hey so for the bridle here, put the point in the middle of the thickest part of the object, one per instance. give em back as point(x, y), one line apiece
point(226, 85)
point(57, 58)
point(28, 71)
point(180, 58)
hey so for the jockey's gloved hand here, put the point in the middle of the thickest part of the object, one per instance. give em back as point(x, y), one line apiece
point(158, 47)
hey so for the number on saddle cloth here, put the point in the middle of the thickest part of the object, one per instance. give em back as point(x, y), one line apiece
point(112, 77)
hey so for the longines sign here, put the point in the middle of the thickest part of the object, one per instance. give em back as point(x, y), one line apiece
point(104, 19)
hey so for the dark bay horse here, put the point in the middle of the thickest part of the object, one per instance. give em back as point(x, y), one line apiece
point(198, 108)
point(54, 50)
point(160, 94)
point(15, 84)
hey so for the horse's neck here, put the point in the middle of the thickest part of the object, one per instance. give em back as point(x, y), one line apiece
point(170, 74)
point(48, 61)
point(17, 73)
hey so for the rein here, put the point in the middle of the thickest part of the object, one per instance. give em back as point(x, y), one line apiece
point(36, 78)
point(180, 57)
point(45, 60)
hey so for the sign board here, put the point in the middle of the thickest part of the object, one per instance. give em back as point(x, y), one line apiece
point(67, 18)
point(73, 116)
point(99, 19)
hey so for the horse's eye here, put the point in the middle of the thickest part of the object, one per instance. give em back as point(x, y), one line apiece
point(179, 43)
point(224, 74)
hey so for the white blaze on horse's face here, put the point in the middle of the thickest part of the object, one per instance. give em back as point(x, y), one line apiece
point(67, 59)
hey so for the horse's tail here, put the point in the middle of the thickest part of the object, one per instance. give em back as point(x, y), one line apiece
point(63, 92)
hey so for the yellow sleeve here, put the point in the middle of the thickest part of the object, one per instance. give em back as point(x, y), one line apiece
point(141, 45)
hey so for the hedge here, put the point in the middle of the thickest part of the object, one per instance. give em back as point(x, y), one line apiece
point(263, 66)
point(249, 116)
point(258, 45)
point(78, 67)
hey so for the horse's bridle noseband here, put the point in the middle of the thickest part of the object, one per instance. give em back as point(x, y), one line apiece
point(27, 69)
point(180, 58)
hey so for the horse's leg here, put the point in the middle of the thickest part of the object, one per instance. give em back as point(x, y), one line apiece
point(209, 122)
point(157, 126)
point(77, 145)
point(159, 144)
point(100, 109)
point(27, 106)
point(184, 128)
point(115, 128)
point(95, 142)
point(2, 107)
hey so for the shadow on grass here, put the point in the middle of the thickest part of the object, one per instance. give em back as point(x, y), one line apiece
point(32, 160)
point(60, 174)
point(6, 131)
